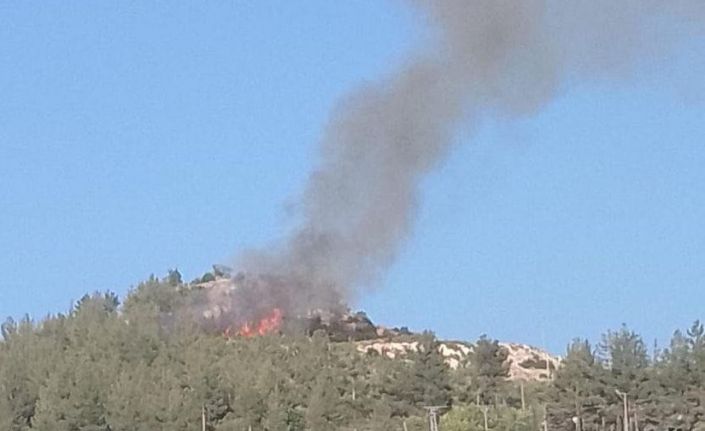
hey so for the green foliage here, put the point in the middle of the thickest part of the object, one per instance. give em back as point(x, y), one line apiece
point(482, 378)
point(578, 388)
point(155, 296)
point(207, 277)
point(143, 366)
point(422, 380)
point(472, 418)
point(173, 278)
point(465, 418)
point(625, 354)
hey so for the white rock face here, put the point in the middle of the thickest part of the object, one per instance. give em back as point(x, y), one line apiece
point(525, 362)
point(530, 363)
point(389, 349)
point(454, 353)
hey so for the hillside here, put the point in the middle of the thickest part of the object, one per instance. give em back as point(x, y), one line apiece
point(525, 362)
point(169, 357)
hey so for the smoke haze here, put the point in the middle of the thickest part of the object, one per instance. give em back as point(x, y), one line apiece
point(506, 59)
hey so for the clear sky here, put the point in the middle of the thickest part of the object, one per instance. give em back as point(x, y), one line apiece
point(141, 136)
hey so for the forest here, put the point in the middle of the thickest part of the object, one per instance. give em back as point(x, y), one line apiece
point(111, 365)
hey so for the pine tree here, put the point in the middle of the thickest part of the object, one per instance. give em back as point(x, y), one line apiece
point(626, 358)
point(578, 389)
point(489, 370)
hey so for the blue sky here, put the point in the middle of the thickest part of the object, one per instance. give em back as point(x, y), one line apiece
point(137, 137)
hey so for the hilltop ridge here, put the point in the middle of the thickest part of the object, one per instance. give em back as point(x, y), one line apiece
point(527, 363)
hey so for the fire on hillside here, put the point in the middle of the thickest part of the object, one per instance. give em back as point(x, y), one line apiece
point(268, 324)
point(247, 305)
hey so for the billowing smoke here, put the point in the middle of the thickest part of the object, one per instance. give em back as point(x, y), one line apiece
point(500, 58)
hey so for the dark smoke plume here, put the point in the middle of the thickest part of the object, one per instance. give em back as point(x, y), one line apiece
point(488, 58)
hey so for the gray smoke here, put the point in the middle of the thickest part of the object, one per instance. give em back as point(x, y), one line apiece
point(497, 58)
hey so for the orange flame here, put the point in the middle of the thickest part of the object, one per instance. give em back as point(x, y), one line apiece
point(266, 325)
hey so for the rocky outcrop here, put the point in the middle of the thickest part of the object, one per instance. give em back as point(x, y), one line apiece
point(525, 362)
point(530, 363)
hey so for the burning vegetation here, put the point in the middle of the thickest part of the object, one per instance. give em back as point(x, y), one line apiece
point(248, 305)
point(270, 323)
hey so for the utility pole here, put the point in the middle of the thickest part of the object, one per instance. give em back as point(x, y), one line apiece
point(545, 419)
point(523, 400)
point(636, 419)
point(484, 416)
point(548, 368)
point(433, 416)
point(576, 421)
point(623, 396)
point(203, 417)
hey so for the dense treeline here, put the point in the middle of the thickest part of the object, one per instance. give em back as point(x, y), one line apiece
point(664, 391)
point(106, 366)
